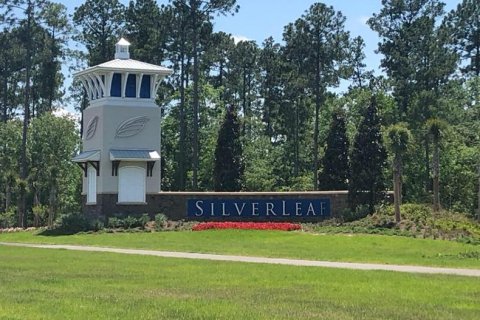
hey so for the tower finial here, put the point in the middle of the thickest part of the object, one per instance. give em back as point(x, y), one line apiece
point(121, 49)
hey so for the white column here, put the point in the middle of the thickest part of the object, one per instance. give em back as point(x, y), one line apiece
point(153, 86)
point(139, 84)
point(108, 80)
point(124, 83)
point(101, 85)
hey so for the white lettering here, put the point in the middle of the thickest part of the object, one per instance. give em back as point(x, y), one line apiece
point(212, 209)
point(223, 210)
point(197, 204)
point(322, 208)
point(254, 208)
point(270, 209)
point(239, 211)
point(310, 209)
point(298, 208)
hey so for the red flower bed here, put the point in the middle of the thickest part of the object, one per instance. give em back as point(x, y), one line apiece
point(284, 226)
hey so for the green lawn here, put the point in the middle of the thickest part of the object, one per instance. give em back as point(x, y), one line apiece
point(353, 248)
point(60, 284)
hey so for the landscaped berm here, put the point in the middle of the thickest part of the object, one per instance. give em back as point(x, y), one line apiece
point(40, 283)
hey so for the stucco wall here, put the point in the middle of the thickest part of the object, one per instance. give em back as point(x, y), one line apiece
point(110, 115)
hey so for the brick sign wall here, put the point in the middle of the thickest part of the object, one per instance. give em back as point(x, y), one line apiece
point(229, 206)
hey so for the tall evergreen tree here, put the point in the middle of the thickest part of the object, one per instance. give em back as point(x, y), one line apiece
point(192, 29)
point(335, 173)
point(221, 45)
point(10, 142)
point(101, 22)
point(201, 13)
point(229, 166)
point(464, 22)
point(146, 26)
point(436, 129)
point(416, 55)
point(368, 160)
point(51, 50)
point(11, 64)
point(242, 77)
point(360, 75)
point(320, 42)
point(419, 61)
point(26, 14)
point(270, 65)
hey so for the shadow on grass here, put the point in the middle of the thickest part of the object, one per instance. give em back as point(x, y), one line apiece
point(58, 232)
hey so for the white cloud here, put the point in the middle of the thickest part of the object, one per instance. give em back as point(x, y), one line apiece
point(64, 113)
point(363, 19)
point(238, 38)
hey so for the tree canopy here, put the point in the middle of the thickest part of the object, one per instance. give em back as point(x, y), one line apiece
point(291, 134)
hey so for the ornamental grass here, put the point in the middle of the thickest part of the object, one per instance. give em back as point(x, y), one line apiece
point(283, 226)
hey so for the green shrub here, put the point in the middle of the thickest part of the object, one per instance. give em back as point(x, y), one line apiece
point(97, 225)
point(115, 223)
point(160, 221)
point(74, 223)
point(7, 218)
point(143, 220)
point(40, 213)
point(361, 211)
point(131, 222)
point(418, 220)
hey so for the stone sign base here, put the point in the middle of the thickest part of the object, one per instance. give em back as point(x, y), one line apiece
point(229, 206)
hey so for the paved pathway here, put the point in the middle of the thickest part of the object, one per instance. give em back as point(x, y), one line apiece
point(291, 262)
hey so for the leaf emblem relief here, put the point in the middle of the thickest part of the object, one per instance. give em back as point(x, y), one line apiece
point(131, 127)
point(91, 128)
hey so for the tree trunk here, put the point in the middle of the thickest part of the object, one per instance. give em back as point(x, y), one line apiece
point(21, 204)
point(436, 174)
point(397, 191)
point(196, 146)
point(296, 167)
point(52, 206)
point(427, 166)
point(8, 195)
point(26, 118)
point(36, 203)
point(478, 193)
point(5, 97)
point(182, 142)
point(244, 102)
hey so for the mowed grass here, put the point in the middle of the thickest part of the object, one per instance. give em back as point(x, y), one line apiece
point(60, 284)
point(301, 245)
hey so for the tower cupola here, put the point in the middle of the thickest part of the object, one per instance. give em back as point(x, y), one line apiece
point(121, 49)
point(122, 78)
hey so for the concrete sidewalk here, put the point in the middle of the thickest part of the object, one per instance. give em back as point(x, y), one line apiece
point(281, 261)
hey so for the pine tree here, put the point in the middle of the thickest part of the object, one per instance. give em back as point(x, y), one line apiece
point(318, 43)
point(335, 162)
point(229, 167)
point(464, 24)
point(368, 159)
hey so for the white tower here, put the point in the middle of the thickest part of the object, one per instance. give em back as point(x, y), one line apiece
point(121, 139)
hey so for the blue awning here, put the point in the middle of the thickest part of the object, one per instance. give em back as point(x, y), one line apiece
point(134, 155)
point(93, 155)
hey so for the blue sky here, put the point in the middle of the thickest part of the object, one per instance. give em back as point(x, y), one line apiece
point(259, 19)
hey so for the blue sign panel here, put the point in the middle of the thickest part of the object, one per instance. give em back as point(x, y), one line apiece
point(262, 208)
